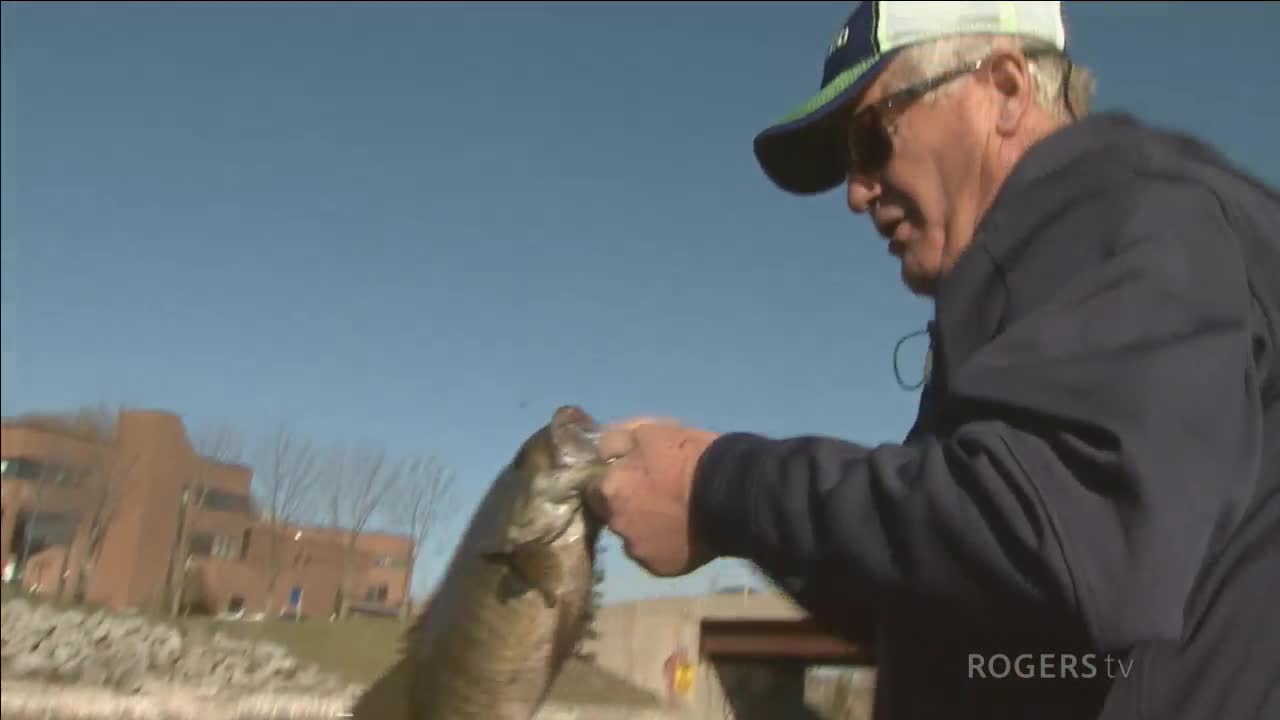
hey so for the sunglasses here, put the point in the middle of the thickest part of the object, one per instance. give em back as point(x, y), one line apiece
point(869, 141)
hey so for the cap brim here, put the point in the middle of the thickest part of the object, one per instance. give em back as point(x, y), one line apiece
point(805, 153)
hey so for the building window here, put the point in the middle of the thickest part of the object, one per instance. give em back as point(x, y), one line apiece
point(200, 544)
point(376, 593)
point(21, 468)
point(244, 543)
point(49, 529)
point(226, 546)
point(222, 501)
point(389, 561)
point(213, 545)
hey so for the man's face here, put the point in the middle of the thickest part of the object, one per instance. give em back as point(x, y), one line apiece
point(916, 164)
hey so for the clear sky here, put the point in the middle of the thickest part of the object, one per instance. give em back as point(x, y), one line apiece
point(426, 226)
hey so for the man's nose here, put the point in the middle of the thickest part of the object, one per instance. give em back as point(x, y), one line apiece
point(863, 189)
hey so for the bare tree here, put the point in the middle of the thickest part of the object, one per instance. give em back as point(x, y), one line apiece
point(358, 484)
point(219, 443)
point(51, 520)
point(85, 481)
point(423, 497)
point(90, 423)
point(104, 489)
point(286, 475)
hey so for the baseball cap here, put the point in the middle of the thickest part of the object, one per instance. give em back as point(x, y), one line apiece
point(804, 153)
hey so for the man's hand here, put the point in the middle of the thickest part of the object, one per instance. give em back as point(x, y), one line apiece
point(645, 496)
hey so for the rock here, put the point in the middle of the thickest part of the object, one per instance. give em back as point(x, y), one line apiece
point(230, 670)
point(127, 653)
point(267, 653)
point(41, 619)
point(94, 670)
point(129, 660)
point(127, 677)
point(283, 667)
point(166, 648)
point(101, 635)
point(28, 638)
point(194, 666)
point(69, 636)
point(128, 626)
point(71, 618)
point(228, 644)
point(93, 619)
point(64, 650)
point(306, 677)
point(70, 670)
point(15, 612)
point(32, 666)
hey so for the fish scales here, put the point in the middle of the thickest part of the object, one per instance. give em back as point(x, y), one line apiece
point(514, 600)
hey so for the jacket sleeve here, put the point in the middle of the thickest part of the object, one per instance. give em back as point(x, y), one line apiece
point(1095, 450)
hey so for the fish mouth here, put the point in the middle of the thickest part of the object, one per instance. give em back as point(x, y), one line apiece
point(573, 416)
point(575, 435)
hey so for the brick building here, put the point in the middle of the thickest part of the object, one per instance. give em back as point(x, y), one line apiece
point(123, 512)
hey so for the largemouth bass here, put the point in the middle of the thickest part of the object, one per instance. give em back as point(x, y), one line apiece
point(513, 602)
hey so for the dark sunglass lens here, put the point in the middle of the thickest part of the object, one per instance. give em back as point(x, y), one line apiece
point(869, 143)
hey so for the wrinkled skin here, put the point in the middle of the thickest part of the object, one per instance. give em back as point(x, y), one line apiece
point(514, 600)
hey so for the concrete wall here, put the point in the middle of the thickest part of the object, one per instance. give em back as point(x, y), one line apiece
point(636, 639)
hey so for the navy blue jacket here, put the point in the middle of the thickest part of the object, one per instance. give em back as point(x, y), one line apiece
point(1094, 475)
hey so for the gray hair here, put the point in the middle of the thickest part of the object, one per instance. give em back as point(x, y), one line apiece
point(1048, 71)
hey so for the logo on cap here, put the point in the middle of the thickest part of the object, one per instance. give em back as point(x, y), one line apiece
point(842, 38)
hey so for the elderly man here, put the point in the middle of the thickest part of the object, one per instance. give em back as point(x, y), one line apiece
point(1084, 521)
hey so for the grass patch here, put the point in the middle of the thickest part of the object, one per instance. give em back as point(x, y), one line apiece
point(361, 649)
point(358, 650)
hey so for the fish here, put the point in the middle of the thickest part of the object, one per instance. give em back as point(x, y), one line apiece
point(514, 601)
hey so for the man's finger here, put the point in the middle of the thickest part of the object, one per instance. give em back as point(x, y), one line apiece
point(615, 443)
point(617, 439)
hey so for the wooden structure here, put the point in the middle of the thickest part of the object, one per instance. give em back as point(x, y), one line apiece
point(761, 663)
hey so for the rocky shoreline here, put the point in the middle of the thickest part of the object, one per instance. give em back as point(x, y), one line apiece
point(71, 664)
point(129, 654)
point(29, 700)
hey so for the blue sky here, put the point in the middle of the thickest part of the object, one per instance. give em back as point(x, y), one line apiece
point(426, 226)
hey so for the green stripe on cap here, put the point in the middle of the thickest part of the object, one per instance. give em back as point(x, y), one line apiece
point(1008, 17)
point(832, 89)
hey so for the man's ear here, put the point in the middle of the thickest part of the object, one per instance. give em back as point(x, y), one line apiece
point(1011, 79)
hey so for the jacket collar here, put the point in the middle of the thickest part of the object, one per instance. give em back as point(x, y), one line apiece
point(971, 299)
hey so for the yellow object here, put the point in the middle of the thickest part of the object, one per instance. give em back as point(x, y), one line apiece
point(683, 679)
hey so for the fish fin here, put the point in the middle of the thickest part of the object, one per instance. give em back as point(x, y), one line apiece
point(534, 564)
